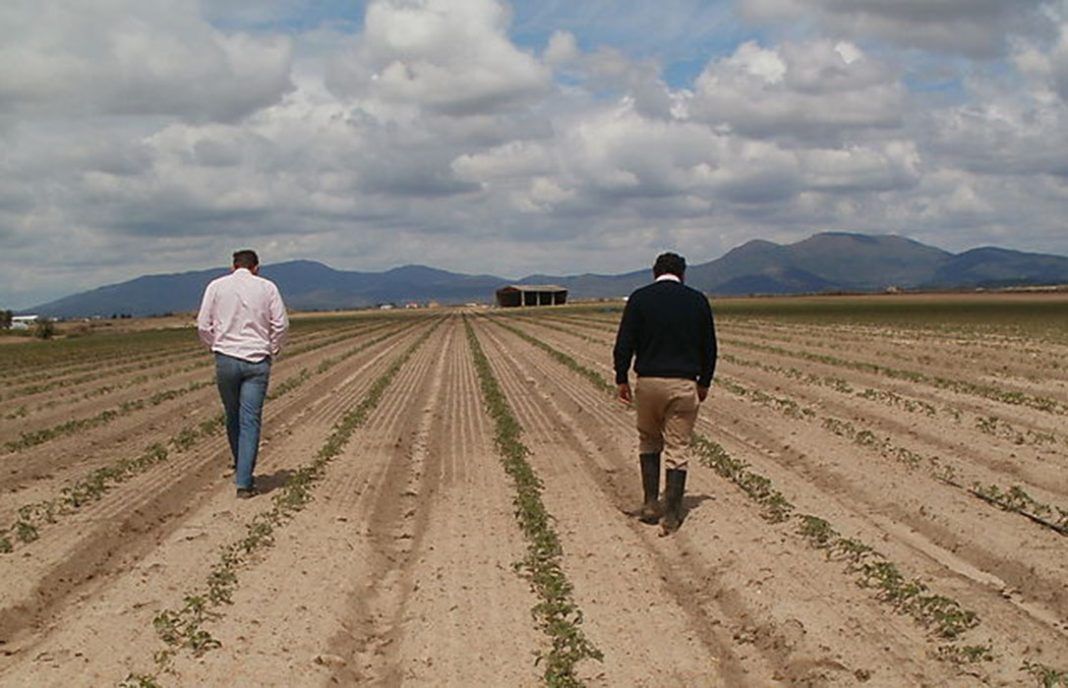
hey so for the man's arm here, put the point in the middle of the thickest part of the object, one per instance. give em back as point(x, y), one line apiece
point(279, 320)
point(623, 352)
point(206, 317)
point(709, 350)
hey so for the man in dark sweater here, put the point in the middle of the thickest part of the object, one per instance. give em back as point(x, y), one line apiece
point(669, 327)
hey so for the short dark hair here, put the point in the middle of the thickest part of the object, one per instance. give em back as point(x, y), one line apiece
point(669, 263)
point(246, 258)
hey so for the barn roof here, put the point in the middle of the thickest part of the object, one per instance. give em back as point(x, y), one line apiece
point(534, 287)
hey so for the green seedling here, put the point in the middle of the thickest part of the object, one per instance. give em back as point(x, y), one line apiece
point(556, 614)
point(183, 628)
point(1047, 677)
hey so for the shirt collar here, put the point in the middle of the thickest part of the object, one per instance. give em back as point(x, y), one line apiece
point(668, 277)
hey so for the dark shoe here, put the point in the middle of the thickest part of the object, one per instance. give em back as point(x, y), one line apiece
point(650, 509)
point(247, 492)
point(676, 487)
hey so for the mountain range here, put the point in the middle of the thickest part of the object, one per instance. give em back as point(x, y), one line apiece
point(831, 261)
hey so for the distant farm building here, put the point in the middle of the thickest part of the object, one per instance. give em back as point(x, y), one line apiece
point(515, 295)
point(23, 322)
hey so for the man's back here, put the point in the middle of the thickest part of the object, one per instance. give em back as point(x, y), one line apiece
point(670, 329)
point(243, 316)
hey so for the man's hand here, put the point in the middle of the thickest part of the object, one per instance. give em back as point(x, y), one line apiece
point(702, 393)
point(624, 393)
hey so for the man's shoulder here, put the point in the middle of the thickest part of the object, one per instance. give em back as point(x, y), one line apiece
point(666, 287)
point(268, 284)
point(695, 293)
point(219, 281)
point(646, 290)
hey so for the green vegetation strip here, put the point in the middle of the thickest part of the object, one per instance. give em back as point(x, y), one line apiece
point(1014, 499)
point(33, 438)
point(591, 375)
point(103, 348)
point(945, 616)
point(557, 614)
point(182, 628)
point(1015, 398)
point(960, 386)
point(1047, 677)
point(101, 367)
point(92, 488)
point(153, 361)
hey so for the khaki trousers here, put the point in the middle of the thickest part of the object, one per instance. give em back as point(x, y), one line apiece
point(667, 411)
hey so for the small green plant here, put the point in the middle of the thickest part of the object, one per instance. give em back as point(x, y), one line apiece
point(1047, 677)
point(99, 482)
point(183, 628)
point(944, 615)
point(557, 614)
point(1017, 500)
point(966, 654)
point(818, 531)
point(140, 681)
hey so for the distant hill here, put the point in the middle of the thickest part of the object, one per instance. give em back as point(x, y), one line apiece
point(840, 261)
point(305, 285)
point(832, 261)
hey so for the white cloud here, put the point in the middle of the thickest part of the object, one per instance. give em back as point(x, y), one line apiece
point(449, 56)
point(805, 90)
point(562, 49)
point(150, 57)
point(141, 137)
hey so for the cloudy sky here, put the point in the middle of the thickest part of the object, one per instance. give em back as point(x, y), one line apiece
point(481, 136)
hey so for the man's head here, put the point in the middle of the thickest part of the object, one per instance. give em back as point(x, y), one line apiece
point(669, 264)
point(247, 259)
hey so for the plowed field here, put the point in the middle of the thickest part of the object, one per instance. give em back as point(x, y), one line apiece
point(445, 498)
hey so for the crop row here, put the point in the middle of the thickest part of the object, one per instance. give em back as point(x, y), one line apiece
point(100, 371)
point(873, 570)
point(178, 350)
point(1039, 403)
point(988, 424)
point(24, 411)
point(991, 425)
point(33, 438)
point(557, 614)
point(93, 487)
point(949, 620)
point(1020, 399)
point(1014, 499)
point(96, 373)
point(75, 425)
point(102, 348)
point(182, 628)
point(1039, 361)
point(47, 354)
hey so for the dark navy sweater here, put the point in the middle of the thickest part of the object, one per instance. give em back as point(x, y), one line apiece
point(669, 327)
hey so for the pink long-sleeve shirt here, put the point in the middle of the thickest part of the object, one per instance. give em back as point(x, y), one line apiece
point(242, 315)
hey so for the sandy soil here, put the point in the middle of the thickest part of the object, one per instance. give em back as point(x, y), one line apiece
point(400, 569)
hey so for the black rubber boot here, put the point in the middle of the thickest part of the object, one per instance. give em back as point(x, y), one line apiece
point(650, 510)
point(673, 492)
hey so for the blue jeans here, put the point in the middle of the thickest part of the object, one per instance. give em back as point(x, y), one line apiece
point(243, 387)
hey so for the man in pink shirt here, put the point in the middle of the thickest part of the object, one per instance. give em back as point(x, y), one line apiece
point(243, 320)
